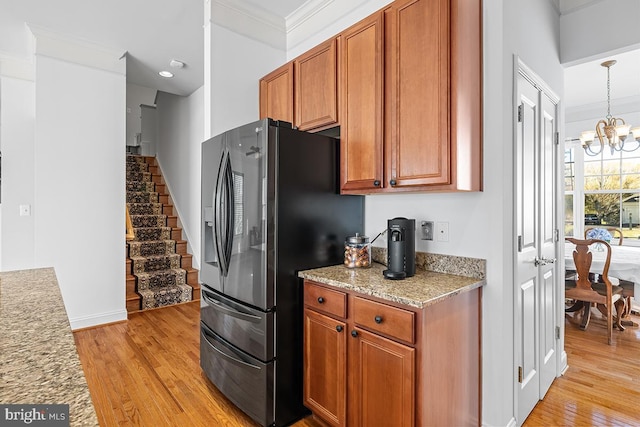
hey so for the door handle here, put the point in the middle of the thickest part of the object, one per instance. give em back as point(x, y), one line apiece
point(543, 261)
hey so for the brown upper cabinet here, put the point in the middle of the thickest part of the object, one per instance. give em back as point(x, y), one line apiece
point(410, 97)
point(361, 105)
point(276, 94)
point(316, 87)
point(431, 102)
point(305, 90)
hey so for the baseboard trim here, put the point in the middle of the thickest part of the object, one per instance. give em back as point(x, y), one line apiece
point(97, 319)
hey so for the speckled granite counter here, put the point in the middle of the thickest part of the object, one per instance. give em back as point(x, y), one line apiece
point(425, 288)
point(39, 362)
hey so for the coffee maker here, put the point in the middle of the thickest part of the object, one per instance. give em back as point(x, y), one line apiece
point(401, 248)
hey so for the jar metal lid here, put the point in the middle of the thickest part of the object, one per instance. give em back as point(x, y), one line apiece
point(357, 239)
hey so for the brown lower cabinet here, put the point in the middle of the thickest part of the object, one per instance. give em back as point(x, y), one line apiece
point(369, 362)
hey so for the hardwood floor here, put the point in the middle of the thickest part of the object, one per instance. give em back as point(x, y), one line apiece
point(146, 372)
point(601, 387)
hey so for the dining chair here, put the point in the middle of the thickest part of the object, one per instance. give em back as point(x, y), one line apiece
point(613, 232)
point(627, 286)
point(595, 288)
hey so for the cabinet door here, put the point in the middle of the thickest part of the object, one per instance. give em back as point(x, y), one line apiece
point(417, 139)
point(325, 367)
point(361, 105)
point(316, 87)
point(276, 94)
point(383, 381)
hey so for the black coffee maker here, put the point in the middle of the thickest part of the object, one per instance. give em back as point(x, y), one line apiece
point(401, 248)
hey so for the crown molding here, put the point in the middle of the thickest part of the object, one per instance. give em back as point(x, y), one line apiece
point(243, 18)
point(305, 12)
point(76, 50)
point(16, 67)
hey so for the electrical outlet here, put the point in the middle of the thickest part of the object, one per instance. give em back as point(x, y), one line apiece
point(442, 231)
point(427, 230)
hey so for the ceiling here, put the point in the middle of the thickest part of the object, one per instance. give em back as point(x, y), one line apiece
point(154, 32)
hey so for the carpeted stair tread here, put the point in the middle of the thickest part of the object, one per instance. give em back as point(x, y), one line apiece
point(158, 279)
point(145, 208)
point(152, 233)
point(152, 247)
point(139, 176)
point(137, 167)
point(144, 221)
point(164, 296)
point(155, 263)
point(141, 186)
point(142, 197)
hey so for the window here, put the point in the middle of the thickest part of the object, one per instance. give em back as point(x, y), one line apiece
point(608, 187)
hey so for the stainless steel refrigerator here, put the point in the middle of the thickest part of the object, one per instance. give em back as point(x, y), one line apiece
point(270, 207)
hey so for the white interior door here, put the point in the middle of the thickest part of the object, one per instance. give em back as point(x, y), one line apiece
point(536, 230)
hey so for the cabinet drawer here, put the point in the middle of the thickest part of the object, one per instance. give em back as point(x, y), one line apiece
point(391, 321)
point(326, 300)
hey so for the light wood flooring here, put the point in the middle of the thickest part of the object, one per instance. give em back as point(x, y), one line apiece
point(146, 372)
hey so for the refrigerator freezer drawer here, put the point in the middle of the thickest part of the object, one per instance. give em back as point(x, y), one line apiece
point(247, 382)
point(248, 329)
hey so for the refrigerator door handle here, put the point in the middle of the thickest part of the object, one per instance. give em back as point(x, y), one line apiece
point(229, 212)
point(204, 333)
point(217, 219)
point(220, 306)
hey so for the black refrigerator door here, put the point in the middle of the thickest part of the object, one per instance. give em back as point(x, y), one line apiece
point(246, 280)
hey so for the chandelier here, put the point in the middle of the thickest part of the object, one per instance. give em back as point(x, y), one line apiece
point(611, 130)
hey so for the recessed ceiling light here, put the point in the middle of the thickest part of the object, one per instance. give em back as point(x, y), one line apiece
point(166, 74)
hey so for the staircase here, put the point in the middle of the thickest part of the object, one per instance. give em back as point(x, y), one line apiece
point(159, 270)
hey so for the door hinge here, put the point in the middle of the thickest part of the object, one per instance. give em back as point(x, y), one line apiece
point(519, 243)
point(520, 112)
point(557, 332)
point(557, 234)
point(520, 374)
point(556, 138)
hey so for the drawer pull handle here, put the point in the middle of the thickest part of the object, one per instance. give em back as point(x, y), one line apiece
point(320, 300)
point(339, 328)
point(376, 183)
point(354, 333)
point(378, 319)
point(392, 182)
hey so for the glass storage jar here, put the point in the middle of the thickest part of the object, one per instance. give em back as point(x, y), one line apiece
point(357, 252)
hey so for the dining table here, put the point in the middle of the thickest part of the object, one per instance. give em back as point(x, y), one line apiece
point(624, 265)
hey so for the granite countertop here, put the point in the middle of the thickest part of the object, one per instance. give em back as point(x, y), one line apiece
point(426, 287)
point(39, 363)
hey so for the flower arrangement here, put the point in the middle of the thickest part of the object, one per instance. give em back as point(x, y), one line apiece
point(600, 234)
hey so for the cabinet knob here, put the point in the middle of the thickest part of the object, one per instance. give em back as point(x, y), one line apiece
point(320, 300)
point(354, 333)
point(378, 319)
point(339, 328)
point(376, 183)
point(392, 182)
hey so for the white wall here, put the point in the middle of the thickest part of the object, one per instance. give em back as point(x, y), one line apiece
point(137, 95)
point(239, 64)
point(79, 205)
point(17, 121)
point(607, 26)
point(180, 135)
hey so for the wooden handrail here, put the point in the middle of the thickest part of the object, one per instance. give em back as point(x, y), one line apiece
point(130, 233)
